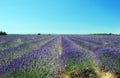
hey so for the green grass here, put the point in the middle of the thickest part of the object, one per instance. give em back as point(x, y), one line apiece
point(80, 66)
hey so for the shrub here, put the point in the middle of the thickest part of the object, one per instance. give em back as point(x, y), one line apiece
point(39, 34)
point(3, 33)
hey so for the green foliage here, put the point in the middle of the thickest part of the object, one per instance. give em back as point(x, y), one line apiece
point(3, 33)
point(80, 66)
point(39, 34)
point(105, 34)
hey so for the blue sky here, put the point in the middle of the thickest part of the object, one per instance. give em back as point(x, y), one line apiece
point(60, 16)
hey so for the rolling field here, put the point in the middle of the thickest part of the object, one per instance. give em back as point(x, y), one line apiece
point(59, 56)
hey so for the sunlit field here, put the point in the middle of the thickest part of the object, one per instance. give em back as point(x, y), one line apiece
point(59, 56)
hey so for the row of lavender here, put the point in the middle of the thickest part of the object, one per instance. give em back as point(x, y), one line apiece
point(7, 55)
point(48, 56)
point(42, 62)
point(76, 59)
point(106, 48)
point(10, 41)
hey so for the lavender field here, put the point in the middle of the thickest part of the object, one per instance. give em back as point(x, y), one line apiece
point(59, 56)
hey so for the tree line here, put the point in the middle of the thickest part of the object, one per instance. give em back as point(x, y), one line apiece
point(105, 34)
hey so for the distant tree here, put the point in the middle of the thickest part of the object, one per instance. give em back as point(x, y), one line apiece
point(110, 34)
point(39, 34)
point(49, 34)
point(3, 33)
